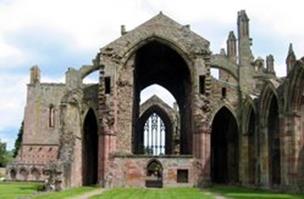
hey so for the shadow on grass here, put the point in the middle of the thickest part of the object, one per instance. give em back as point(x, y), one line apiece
point(233, 192)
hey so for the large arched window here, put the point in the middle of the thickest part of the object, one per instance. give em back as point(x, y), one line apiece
point(154, 135)
point(157, 128)
point(156, 62)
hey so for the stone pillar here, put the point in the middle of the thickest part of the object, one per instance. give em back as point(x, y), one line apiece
point(107, 136)
point(244, 159)
point(244, 40)
point(231, 47)
point(202, 152)
point(290, 59)
point(285, 142)
point(72, 79)
point(35, 75)
point(264, 155)
point(292, 163)
point(106, 144)
point(270, 64)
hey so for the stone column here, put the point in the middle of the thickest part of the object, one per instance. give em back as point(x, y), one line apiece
point(291, 162)
point(105, 142)
point(244, 158)
point(285, 141)
point(264, 155)
point(202, 152)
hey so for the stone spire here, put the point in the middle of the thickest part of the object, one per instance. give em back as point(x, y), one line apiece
point(290, 59)
point(244, 40)
point(35, 75)
point(123, 30)
point(243, 24)
point(231, 46)
point(270, 64)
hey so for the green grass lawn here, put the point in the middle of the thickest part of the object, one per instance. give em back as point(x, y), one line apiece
point(13, 190)
point(166, 193)
point(9, 190)
point(65, 194)
point(232, 192)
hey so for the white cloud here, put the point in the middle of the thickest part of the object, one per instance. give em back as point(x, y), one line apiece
point(10, 54)
point(12, 100)
point(13, 97)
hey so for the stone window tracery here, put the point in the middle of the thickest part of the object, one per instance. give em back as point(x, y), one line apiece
point(154, 135)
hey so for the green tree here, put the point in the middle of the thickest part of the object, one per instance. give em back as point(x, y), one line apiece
point(18, 140)
point(2, 153)
point(5, 156)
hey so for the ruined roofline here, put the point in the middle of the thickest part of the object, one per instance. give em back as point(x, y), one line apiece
point(159, 19)
point(47, 84)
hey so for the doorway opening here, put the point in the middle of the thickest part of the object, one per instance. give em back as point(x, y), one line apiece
point(274, 143)
point(90, 149)
point(224, 148)
point(154, 174)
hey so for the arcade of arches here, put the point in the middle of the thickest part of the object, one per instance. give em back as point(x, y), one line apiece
point(244, 127)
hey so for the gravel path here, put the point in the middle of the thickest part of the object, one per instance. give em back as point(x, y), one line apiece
point(219, 197)
point(89, 194)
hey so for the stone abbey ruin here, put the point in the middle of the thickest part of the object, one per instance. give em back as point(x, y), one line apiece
point(246, 127)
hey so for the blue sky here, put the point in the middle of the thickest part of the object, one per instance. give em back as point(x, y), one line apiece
point(57, 34)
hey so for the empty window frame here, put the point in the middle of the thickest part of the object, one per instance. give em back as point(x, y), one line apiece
point(224, 92)
point(202, 79)
point(51, 116)
point(107, 82)
point(182, 176)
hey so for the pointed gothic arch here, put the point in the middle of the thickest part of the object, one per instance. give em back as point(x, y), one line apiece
point(154, 63)
point(270, 135)
point(295, 87)
point(90, 149)
point(224, 147)
point(140, 129)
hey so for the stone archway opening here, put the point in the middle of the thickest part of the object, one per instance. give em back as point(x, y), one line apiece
point(35, 174)
point(13, 174)
point(274, 148)
point(23, 173)
point(157, 63)
point(154, 175)
point(224, 148)
point(90, 149)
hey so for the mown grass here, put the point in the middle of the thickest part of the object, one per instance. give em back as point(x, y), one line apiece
point(14, 190)
point(10, 190)
point(166, 193)
point(233, 192)
point(69, 193)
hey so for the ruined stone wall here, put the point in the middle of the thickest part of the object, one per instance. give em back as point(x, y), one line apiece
point(38, 154)
point(41, 142)
point(231, 100)
point(36, 119)
point(114, 107)
point(131, 171)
